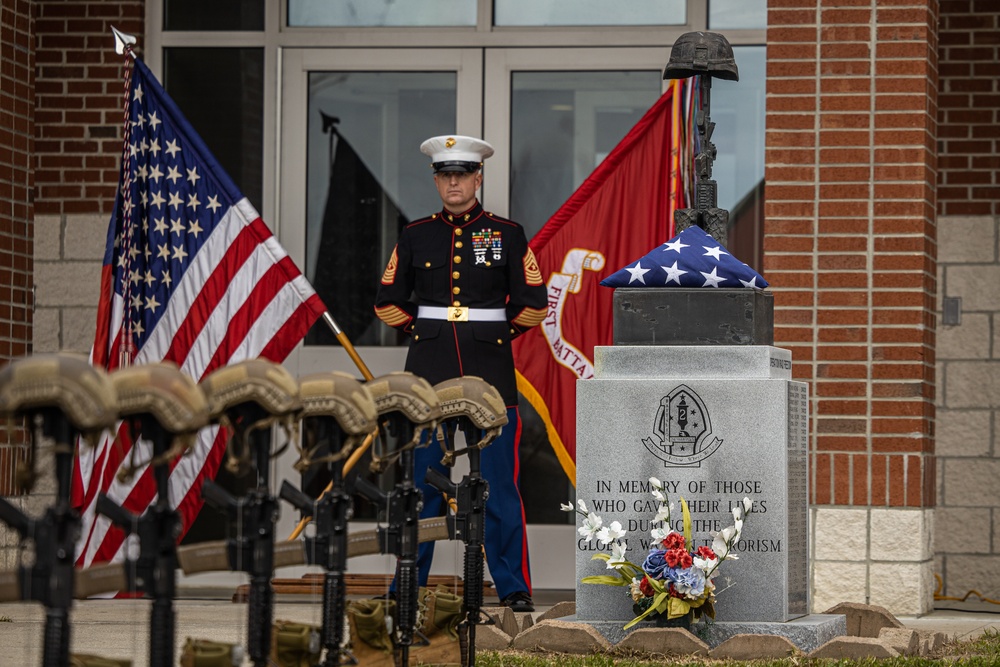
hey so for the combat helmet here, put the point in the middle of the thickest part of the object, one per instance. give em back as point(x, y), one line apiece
point(342, 397)
point(474, 398)
point(171, 398)
point(263, 388)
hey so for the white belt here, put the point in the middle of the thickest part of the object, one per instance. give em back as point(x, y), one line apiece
point(462, 314)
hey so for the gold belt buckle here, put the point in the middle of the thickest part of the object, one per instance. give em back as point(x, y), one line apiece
point(458, 313)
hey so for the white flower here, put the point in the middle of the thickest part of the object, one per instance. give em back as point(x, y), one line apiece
point(566, 507)
point(610, 533)
point(704, 564)
point(583, 508)
point(659, 534)
point(663, 513)
point(635, 591)
point(655, 483)
point(590, 526)
point(617, 555)
point(658, 494)
point(747, 505)
point(723, 542)
point(736, 513)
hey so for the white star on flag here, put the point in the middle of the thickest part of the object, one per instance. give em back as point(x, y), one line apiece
point(673, 273)
point(676, 245)
point(637, 273)
point(712, 278)
point(714, 252)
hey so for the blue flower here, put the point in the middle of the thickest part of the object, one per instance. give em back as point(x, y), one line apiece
point(654, 565)
point(689, 582)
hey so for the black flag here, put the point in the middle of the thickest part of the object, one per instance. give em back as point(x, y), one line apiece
point(359, 215)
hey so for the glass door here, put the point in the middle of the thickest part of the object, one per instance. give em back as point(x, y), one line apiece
point(352, 175)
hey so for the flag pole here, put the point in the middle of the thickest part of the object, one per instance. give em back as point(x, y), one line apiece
point(346, 344)
point(360, 451)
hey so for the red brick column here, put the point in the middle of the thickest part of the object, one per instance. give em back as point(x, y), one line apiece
point(79, 102)
point(17, 127)
point(850, 252)
point(969, 109)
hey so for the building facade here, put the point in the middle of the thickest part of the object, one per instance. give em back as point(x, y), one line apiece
point(872, 123)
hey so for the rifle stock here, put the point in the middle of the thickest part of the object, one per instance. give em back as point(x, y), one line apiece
point(214, 556)
point(106, 578)
point(14, 518)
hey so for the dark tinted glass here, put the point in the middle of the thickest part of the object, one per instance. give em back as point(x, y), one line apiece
point(213, 15)
point(221, 92)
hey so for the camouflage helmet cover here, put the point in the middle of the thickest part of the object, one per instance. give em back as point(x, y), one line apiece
point(162, 391)
point(66, 382)
point(340, 396)
point(406, 393)
point(472, 397)
point(257, 381)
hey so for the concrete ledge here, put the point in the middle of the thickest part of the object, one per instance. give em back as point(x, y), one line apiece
point(663, 641)
point(561, 637)
point(854, 648)
point(755, 647)
point(806, 633)
point(864, 620)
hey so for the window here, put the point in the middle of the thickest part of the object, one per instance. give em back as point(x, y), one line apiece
point(589, 12)
point(214, 15)
point(370, 13)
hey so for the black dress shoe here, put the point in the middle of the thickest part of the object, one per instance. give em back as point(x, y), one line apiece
point(518, 602)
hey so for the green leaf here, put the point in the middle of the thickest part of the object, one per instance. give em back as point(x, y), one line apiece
point(604, 557)
point(677, 608)
point(606, 579)
point(653, 607)
point(687, 523)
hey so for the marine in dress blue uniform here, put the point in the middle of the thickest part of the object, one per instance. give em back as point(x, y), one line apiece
point(464, 283)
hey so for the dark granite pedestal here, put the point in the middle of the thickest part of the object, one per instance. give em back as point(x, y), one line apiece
point(693, 316)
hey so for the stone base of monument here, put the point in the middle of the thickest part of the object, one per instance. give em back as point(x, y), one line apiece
point(807, 632)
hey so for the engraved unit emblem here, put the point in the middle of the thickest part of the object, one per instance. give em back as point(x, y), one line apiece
point(682, 427)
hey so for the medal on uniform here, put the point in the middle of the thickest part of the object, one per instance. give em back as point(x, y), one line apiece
point(495, 244)
point(480, 244)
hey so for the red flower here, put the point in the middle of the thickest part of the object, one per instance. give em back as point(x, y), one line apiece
point(645, 587)
point(706, 553)
point(678, 558)
point(673, 541)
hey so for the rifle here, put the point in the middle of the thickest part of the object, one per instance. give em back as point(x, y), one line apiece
point(469, 526)
point(401, 535)
point(49, 579)
point(328, 546)
point(214, 556)
point(252, 549)
point(155, 571)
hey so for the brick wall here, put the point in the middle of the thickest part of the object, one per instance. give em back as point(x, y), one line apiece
point(850, 238)
point(78, 128)
point(969, 108)
point(968, 549)
point(17, 81)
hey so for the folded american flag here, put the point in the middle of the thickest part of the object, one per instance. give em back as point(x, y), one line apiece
point(690, 259)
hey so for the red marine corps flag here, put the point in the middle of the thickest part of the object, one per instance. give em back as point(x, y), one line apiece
point(191, 275)
point(624, 209)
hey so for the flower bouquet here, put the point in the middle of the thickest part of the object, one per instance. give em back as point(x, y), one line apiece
point(675, 579)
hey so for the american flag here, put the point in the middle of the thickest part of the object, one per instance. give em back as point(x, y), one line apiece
point(690, 259)
point(191, 275)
